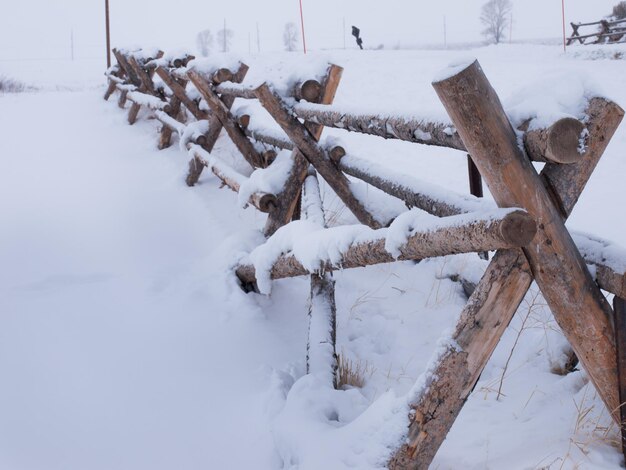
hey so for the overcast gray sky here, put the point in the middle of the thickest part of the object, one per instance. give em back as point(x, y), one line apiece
point(42, 28)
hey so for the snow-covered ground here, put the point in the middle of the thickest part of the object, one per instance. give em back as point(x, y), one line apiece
point(126, 344)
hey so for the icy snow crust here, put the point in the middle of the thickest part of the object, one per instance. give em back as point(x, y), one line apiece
point(126, 342)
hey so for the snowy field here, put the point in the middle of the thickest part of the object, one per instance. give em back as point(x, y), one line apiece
point(125, 342)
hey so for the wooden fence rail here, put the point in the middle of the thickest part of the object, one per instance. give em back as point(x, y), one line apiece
point(525, 225)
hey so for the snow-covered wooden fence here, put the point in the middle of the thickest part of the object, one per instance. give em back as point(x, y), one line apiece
point(606, 32)
point(526, 229)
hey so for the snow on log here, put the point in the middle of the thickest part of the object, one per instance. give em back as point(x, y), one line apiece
point(307, 145)
point(294, 251)
point(170, 122)
point(609, 260)
point(230, 177)
point(321, 351)
point(559, 143)
point(177, 86)
point(431, 198)
point(152, 102)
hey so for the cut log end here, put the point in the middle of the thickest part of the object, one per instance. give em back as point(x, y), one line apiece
point(267, 202)
point(560, 143)
point(269, 156)
point(310, 90)
point(336, 154)
point(518, 228)
point(564, 141)
point(221, 76)
point(244, 121)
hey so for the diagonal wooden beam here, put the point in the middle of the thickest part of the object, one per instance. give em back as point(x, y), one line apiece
point(490, 309)
point(219, 109)
point(287, 201)
point(308, 147)
point(578, 306)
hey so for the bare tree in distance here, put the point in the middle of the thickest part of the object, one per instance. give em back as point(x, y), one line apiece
point(204, 42)
point(495, 16)
point(619, 11)
point(225, 37)
point(290, 36)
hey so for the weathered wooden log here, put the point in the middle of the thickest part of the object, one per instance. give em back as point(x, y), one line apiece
point(128, 70)
point(455, 374)
point(269, 139)
point(492, 306)
point(165, 137)
point(221, 75)
point(121, 101)
point(619, 305)
point(578, 306)
point(244, 121)
point(221, 112)
point(308, 147)
point(146, 81)
point(512, 230)
point(484, 319)
point(290, 195)
point(226, 89)
point(559, 143)
point(560, 139)
point(215, 124)
point(430, 198)
point(178, 89)
point(321, 351)
point(264, 202)
point(309, 90)
point(149, 101)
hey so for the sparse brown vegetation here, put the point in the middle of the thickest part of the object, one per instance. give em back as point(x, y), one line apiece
point(9, 85)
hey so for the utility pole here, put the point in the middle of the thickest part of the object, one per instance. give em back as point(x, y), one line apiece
point(302, 22)
point(258, 38)
point(445, 33)
point(249, 43)
point(511, 29)
point(72, 43)
point(344, 32)
point(108, 34)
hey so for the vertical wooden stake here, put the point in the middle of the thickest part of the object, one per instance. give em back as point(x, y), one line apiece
point(619, 307)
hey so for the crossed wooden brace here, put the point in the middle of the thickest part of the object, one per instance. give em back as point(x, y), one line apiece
point(551, 259)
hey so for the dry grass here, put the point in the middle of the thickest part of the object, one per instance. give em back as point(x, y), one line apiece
point(592, 427)
point(352, 373)
point(9, 85)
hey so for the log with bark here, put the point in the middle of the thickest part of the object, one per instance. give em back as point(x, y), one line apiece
point(290, 195)
point(492, 306)
point(321, 351)
point(561, 139)
point(457, 234)
point(310, 150)
point(264, 202)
